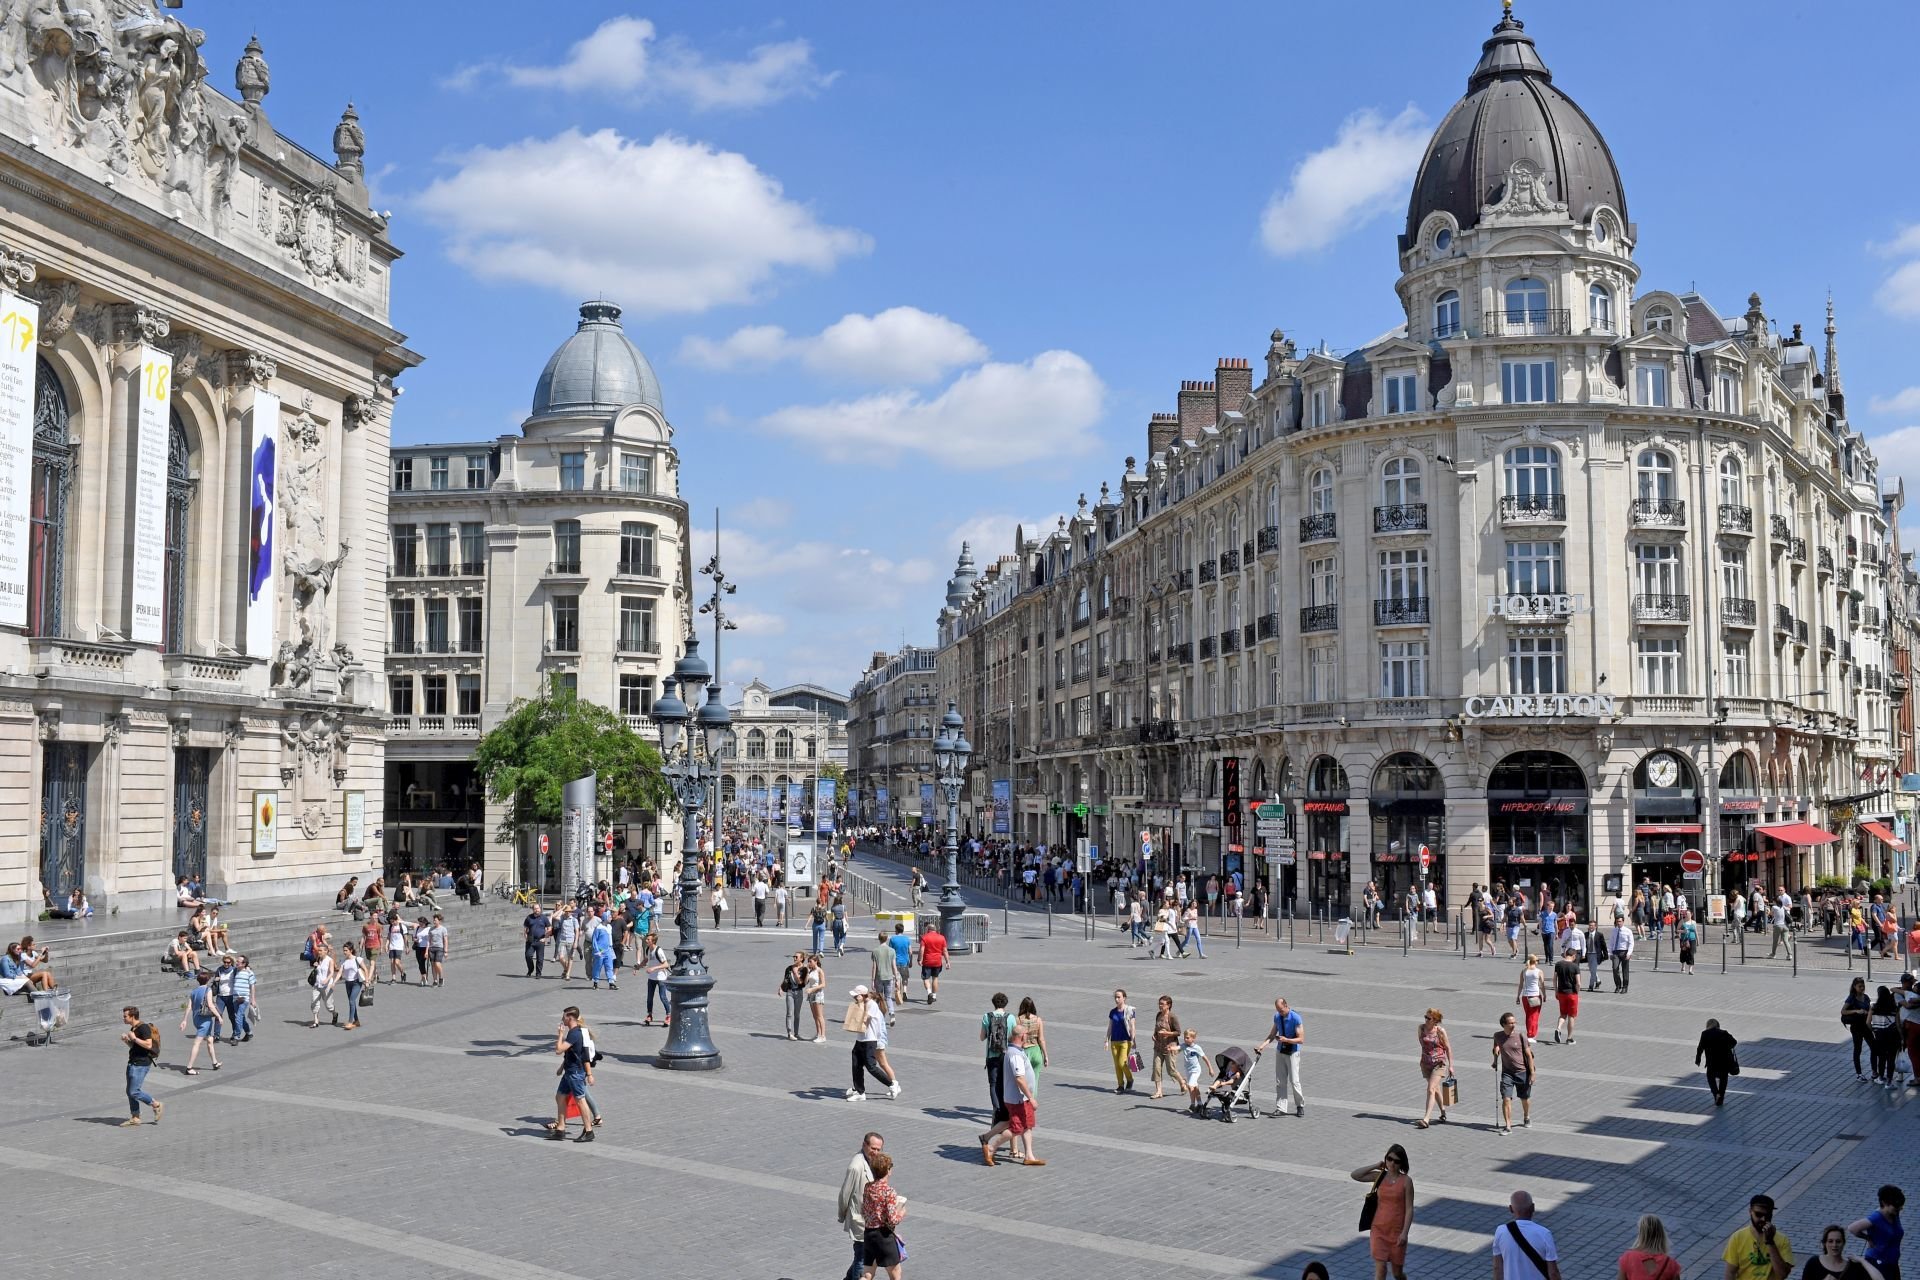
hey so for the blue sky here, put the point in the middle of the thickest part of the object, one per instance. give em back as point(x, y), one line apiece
point(914, 273)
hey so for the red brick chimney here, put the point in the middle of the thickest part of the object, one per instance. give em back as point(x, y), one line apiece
point(1234, 380)
point(1199, 408)
point(1162, 430)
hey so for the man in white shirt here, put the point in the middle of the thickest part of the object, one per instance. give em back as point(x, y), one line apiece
point(780, 905)
point(853, 1186)
point(1620, 948)
point(1522, 1248)
point(1016, 1091)
point(1777, 925)
point(760, 891)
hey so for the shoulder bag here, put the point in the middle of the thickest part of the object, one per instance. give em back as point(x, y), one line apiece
point(1371, 1204)
point(1526, 1247)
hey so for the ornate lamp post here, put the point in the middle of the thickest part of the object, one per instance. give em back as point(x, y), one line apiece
point(689, 1047)
point(950, 752)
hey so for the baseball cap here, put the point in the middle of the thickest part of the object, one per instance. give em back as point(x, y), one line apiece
point(860, 990)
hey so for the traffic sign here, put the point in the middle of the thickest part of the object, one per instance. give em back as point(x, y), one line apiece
point(543, 842)
point(607, 840)
point(1146, 844)
point(1271, 828)
point(1426, 859)
point(1270, 810)
point(1693, 862)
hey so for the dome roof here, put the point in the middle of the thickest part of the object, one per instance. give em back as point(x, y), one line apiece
point(1512, 111)
point(597, 370)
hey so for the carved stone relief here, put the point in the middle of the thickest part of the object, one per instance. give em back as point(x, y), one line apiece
point(311, 557)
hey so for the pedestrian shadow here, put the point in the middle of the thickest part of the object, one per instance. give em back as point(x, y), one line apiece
point(1082, 1088)
point(959, 1153)
point(819, 1093)
point(114, 1121)
point(979, 1115)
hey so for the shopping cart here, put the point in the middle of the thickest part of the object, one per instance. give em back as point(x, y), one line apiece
point(53, 1009)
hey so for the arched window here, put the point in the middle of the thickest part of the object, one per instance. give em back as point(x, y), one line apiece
point(1327, 778)
point(1082, 610)
point(1400, 482)
point(1533, 471)
point(1526, 306)
point(756, 745)
point(1320, 492)
point(729, 788)
point(1733, 482)
point(1653, 474)
point(783, 745)
point(179, 516)
point(1737, 776)
point(1273, 505)
point(1233, 527)
point(1599, 309)
point(1106, 594)
point(1213, 541)
point(1446, 315)
point(1659, 320)
point(52, 487)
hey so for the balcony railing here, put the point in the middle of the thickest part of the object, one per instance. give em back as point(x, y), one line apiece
point(1267, 626)
point(404, 569)
point(563, 644)
point(1247, 636)
point(1159, 731)
point(1208, 647)
point(1319, 617)
point(1797, 550)
point(1735, 518)
point(1317, 528)
point(439, 569)
point(637, 646)
point(1658, 513)
point(1229, 562)
point(1800, 632)
point(639, 568)
point(563, 569)
point(1181, 653)
point(1402, 611)
point(1123, 606)
point(1209, 571)
point(1533, 508)
point(1230, 640)
point(1827, 639)
point(1268, 539)
point(1402, 708)
point(1405, 517)
point(1846, 652)
point(1870, 616)
point(1824, 560)
point(1736, 611)
point(1183, 580)
point(1783, 619)
point(1516, 322)
point(1124, 671)
point(1778, 529)
point(1662, 608)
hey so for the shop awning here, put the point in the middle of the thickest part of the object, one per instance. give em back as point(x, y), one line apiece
point(1797, 833)
point(1884, 832)
point(1665, 828)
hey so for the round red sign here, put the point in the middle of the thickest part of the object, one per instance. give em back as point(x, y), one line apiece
point(543, 842)
point(1693, 862)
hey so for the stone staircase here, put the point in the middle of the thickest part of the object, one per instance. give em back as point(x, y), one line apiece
point(106, 966)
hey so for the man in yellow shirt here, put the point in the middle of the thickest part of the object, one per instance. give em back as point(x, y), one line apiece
point(1759, 1250)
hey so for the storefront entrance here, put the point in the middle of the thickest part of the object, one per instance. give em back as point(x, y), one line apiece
point(1327, 823)
point(1408, 806)
point(1666, 823)
point(1537, 827)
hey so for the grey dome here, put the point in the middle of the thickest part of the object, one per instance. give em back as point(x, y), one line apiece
point(597, 370)
point(1512, 111)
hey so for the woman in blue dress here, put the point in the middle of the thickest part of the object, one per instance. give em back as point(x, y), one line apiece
point(602, 944)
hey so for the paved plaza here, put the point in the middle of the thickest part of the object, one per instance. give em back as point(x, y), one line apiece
point(410, 1147)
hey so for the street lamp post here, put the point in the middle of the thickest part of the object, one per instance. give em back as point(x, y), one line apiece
point(950, 752)
point(689, 1045)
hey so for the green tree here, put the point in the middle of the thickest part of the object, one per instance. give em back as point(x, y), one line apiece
point(547, 742)
point(838, 772)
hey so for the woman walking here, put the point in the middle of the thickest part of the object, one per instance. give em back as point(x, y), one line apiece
point(1166, 1043)
point(1853, 1015)
point(1392, 1220)
point(1436, 1066)
point(1530, 994)
point(653, 960)
point(1832, 1262)
point(1121, 1034)
point(203, 1015)
point(1883, 1036)
point(1649, 1258)
point(1689, 936)
point(718, 901)
point(881, 1209)
point(354, 975)
point(422, 932)
point(837, 915)
point(816, 990)
point(396, 947)
point(600, 941)
point(1030, 1022)
point(793, 988)
point(1191, 919)
point(325, 972)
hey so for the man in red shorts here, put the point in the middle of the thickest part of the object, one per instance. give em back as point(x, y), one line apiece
point(1016, 1090)
point(933, 959)
point(1566, 989)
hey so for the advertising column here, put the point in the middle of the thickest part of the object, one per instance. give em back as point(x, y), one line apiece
point(579, 807)
point(147, 554)
point(19, 331)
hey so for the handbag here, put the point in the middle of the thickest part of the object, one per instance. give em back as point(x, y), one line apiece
point(1371, 1204)
point(1449, 1091)
point(1133, 1060)
point(366, 995)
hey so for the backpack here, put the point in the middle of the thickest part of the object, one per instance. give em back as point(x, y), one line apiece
point(997, 1031)
point(306, 949)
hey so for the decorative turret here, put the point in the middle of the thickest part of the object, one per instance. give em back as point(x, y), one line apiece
point(251, 76)
point(960, 585)
point(1834, 395)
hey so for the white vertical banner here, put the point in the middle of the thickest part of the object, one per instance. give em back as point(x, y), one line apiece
point(19, 331)
point(263, 521)
point(153, 401)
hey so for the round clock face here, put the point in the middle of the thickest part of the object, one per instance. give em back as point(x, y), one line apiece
point(1663, 771)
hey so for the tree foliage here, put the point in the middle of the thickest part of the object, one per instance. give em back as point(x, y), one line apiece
point(547, 742)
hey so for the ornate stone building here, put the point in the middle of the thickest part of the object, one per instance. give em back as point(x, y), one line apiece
point(196, 394)
point(781, 739)
point(559, 553)
point(891, 721)
point(1560, 579)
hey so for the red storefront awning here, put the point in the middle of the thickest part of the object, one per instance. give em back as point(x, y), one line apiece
point(1797, 833)
point(1884, 832)
point(1665, 828)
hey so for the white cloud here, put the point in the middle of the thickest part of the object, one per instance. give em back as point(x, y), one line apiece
point(1898, 453)
point(766, 513)
point(662, 227)
point(990, 536)
point(1904, 245)
point(899, 345)
point(1900, 292)
point(623, 56)
point(998, 415)
point(1904, 401)
point(811, 576)
point(1341, 187)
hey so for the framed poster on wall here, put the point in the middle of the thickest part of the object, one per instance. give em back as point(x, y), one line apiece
point(353, 827)
point(266, 823)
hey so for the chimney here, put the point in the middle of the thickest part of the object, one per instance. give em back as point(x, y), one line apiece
point(1199, 409)
point(1162, 430)
point(1234, 380)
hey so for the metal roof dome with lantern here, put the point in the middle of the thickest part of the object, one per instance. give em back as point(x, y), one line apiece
point(1512, 111)
point(597, 370)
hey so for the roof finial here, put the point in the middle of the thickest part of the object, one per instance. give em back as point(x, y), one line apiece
point(1833, 351)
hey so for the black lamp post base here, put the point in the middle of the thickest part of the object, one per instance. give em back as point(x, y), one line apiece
point(689, 1045)
point(952, 925)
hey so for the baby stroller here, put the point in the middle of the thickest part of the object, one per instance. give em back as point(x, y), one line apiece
point(1233, 1084)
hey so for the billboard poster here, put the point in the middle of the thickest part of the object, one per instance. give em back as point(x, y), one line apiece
point(1003, 806)
point(882, 814)
point(823, 806)
point(147, 570)
point(926, 802)
point(796, 804)
point(19, 334)
point(263, 518)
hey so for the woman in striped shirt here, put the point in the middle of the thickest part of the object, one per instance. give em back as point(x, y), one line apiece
point(241, 1009)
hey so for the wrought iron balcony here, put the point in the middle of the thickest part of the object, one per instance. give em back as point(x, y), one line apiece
point(439, 569)
point(1183, 580)
point(1269, 539)
point(1827, 640)
point(1736, 611)
point(1797, 550)
point(1533, 508)
point(1267, 626)
point(1229, 562)
point(1247, 636)
point(1800, 632)
point(1209, 571)
point(1246, 553)
point(1783, 619)
point(563, 569)
point(1182, 652)
point(1402, 611)
point(1778, 529)
point(637, 646)
point(1824, 560)
point(1662, 608)
point(1123, 606)
point(1320, 617)
point(1735, 518)
point(1658, 513)
point(1230, 640)
point(639, 568)
point(1317, 528)
point(1530, 322)
point(1846, 652)
point(1404, 517)
point(1208, 647)
point(1159, 731)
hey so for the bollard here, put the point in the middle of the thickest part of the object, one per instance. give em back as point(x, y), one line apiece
point(1238, 930)
point(1289, 930)
point(1656, 953)
point(1006, 917)
point(1723, 953)
point(1049, 917)
point(1793, 954)
point(1743, 946)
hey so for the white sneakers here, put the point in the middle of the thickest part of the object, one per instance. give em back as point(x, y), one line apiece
point(893, 1090)
point(854, 1095)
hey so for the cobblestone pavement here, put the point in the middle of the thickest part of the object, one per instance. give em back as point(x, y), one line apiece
point(409, 1147)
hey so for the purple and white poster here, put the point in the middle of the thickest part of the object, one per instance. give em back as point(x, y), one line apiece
point(263, 517)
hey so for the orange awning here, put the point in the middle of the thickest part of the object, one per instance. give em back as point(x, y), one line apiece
point(1797, 833)
point(1884, 832)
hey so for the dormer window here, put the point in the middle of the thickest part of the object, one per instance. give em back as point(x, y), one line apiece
point(1401, 393)
point(1659, 320)
point(1446, 315)
point(1650, 385)
point(1317, 407)
point(1727, 393)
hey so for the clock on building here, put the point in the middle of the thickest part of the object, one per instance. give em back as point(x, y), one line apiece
point(1663, 770)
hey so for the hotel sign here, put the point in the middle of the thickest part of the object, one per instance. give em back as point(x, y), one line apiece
point(1529, 606)
point(1524, 706)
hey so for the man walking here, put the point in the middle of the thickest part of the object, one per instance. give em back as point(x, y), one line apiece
point(566, 931)
point(996, 1030)
point(1288, 1097)
point(437, 949)
point(143, 1046)
point(760, 891)
point(1513, 1059)
point(1017, 1101)
point(884, 967)
point(853, 1186)
point(1620, 950)
point(1777, 925)
point(534, 929)
point(576, 1075)
point(1522, 1248)
point(1566, 992)
point(1759, 1250)
point(933, 960)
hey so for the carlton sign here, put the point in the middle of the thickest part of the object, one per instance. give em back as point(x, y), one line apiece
point(1526, 705)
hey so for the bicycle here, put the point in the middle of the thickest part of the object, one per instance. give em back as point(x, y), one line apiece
point(520, 895)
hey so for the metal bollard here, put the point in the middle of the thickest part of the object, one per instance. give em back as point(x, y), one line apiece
point(1237, 930)
point(1743, 946)
point(1723, 953)
point(1656, 953)
point(1049, 917)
